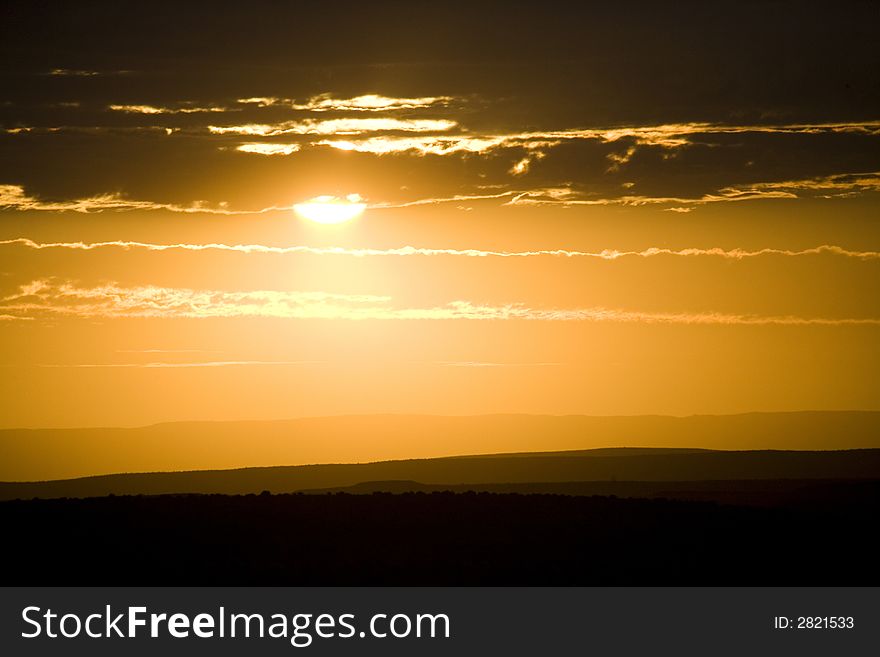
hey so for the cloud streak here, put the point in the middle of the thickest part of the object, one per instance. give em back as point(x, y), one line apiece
point(14, 197)
point(348, 126)
point(364, 103)
point(111, 301)
point(844, 185)
point(605, 254)
point(83, 73)
point(153, 109)
point(370, 103)
point(419, 145)
point(669, 136)
point(841, 185)
point(262, 148)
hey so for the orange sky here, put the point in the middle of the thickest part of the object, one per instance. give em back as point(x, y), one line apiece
point(127, 336)
point(538, 244)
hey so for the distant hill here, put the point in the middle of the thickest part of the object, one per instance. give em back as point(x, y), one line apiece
point(48, 454)
point(612, 467)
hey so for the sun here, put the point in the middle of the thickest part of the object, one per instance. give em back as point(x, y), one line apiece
point(331, 209)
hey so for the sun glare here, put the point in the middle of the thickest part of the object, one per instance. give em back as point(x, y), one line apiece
point(331, 209)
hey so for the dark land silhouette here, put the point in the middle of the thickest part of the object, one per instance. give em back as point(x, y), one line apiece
point(641, 516)
point(440, 538)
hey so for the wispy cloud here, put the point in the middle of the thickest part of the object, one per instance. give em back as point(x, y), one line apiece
point(370, 103)
point(605, 254)
point(90, 130)
point(838, 185)
point(619, 159)
point(14, 197)
point(835, 186)
point(153, 109)
point(83, 73)
point(74, 72)
point(112, 301)
point(262, 148)
point(21, 130)
point(571, 197)
point(419, 145)
point(264, 101)
point(455, 198)
point(364, 103)
point(669, 136)
point(673, 135)
point(348, 126)
point(522, 166)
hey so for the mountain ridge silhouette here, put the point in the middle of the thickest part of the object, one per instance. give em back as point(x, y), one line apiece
point(52, 454)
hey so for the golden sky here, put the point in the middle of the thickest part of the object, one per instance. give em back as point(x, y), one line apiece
point(586, 228)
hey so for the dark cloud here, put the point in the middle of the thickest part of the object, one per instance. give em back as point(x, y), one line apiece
point(505, 70)
point(599, 62)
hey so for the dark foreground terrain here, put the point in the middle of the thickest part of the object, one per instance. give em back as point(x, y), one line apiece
point(436, 538)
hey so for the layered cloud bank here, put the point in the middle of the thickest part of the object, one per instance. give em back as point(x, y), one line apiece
point(849, 185)
point(677, 165)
